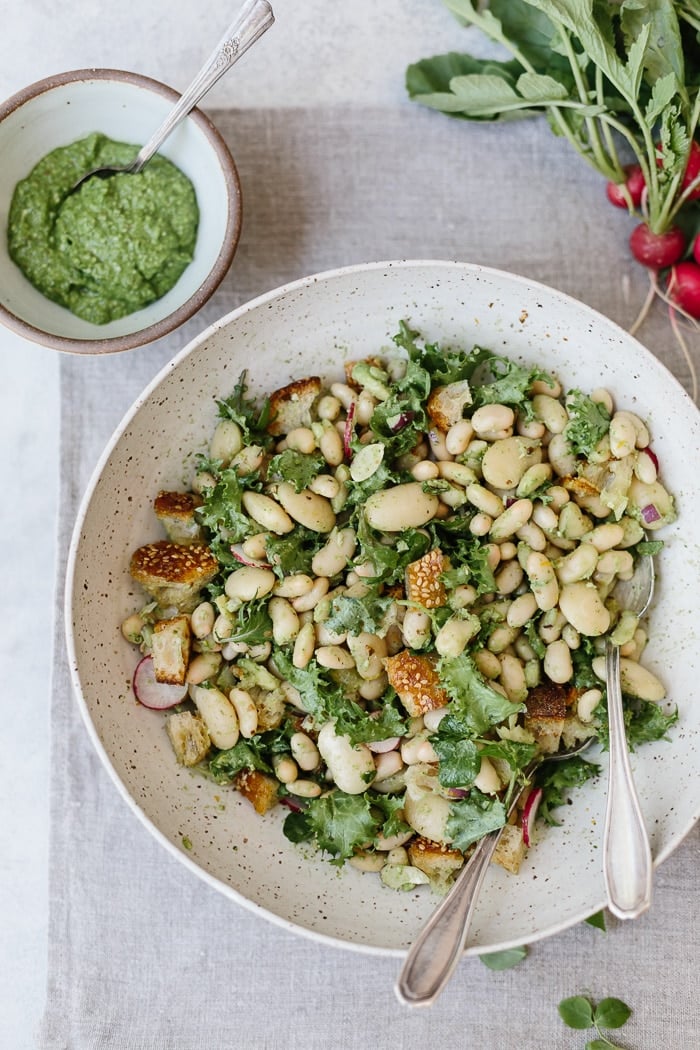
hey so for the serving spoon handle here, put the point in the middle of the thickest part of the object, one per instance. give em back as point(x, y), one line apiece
point(254, 18)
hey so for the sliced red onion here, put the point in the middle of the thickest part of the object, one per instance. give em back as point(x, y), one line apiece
point(291, 803)
point(401, 421)
point(239, 555)
point(530, 814)
point(158, 696)
point(652, 456)
point(348, 431)
point(650, 513)
point(457, 792)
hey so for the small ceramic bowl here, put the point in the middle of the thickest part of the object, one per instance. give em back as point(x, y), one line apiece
point(126, 107)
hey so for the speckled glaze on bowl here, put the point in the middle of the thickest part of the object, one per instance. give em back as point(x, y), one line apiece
point(127, 107)
point(310, 327)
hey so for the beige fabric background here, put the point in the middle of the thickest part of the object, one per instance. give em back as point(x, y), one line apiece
point(142, 954)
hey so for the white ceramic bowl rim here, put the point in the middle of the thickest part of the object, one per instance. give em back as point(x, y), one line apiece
point(230, 240)
point(476, 270)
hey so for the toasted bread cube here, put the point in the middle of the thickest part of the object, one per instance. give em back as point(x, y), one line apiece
point(546, 711)
point(189, 737)
point(291, 405)
point(446, 404)
point(170, 648)
point(511, 849)
point(176, 512)
point(437, 861)
point(173, 573)
point(423, 580)
point(415, 679)
point(259, 788)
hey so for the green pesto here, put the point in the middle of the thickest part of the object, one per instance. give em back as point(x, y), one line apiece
point(113, 246)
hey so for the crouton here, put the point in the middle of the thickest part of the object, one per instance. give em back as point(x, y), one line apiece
point(173, 574)
point(437, 861)
point(170, 649)
point(259, 788)
point(415, 679)
point(176, 512)
point(372, 362)
point(423, 582)
point(546, 711)
point(446, 404)
point(511, 849)
point(291, 405)
point(189, 737)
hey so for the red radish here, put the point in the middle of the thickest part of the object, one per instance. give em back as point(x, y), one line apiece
point(652, 456)
point(237, 552)
point(151, 693)
point(657, 250)
point(291, 803)
point(696, 249)
point(684, 287)
point(530, 814)
point(692, 172)
point(348, 431)
point(634, 184)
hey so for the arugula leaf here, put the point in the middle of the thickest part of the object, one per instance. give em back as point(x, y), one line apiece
point(589, 421)
point(459, 758)
point(443, 365)
point(252, 420)
point(293, 552)
point(222, 514)
point(556, 778)
point(597, 920)
point(469, 559)
point(390, 562)
point(297, 827)
point(356, 615)
point(476, 705)
point(246, 754)
point(504, 960)
point(473, 817)
point(341, 823)
point(298, 468)
point(646, 722)
point(391, 809)
point(252, 624)
point(510, 385)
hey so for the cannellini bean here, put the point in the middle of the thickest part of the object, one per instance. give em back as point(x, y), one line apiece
point(417, 749)
point(558, 497)
point(500, 638)
point(458, 437)
point(512, 519)
point(623, 435)
point(304, 788)
point(636, 680)
point(367, 861)
point(425, 470)
point(428, 815)
point(285, 769)
point(343, 393)
point(255, 547)
point(202, 667)
point(603, 397)
point(369, 653)
point(308, 508)
point(532, 673)
point(372, 689)
point(509, 578)
point(202, 619)
point(459, 473)
point(416, 628)
point(335, 554)
point(304, 645)
point(433, 718)
point(557, 662)
point(334, 657)
point(226, 442)
point(267, 513)
point(487, 779)
point(218, 715)
point(645, 467)
point(249, 459)
point(294, 586)
point(307, 602)
point(302, 439)
point(325, 485)
point(522, 609)
point(573, 523)
point(463, 596)
point(582, 605)
point(529, 428)
point(454, 634)
point(587, 704)
point(246, 710)
point(605, 537)
point(248, 583)
point(480, 525)
point(523, 649)
point(223, 627)
point(543, 580)
point(488, 663)
point(532, 535)
point(551, 625)
point(550, 386)
point(304, 751)
point(331, 447)
point(551, 412)
point(506, 460)
point(131, 628)
point(328, 408)
point(285, 622)
point(387, 764)
point(351, 767)
point(578, 565)
point(437, 444)
point(545, 517)
point(492, 419)
point(493, 555)
point(203, 480)
point(561, 456)
point(508, 550)
point(615, 563)
point(400, 507)
point(642, 495)
point(571, 636)
point(512, 678)
point(534, 478)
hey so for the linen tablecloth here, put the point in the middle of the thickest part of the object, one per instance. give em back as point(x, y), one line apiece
point(142, 954)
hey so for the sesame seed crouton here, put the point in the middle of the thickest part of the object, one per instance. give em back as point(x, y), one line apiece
point(176, 512)
point(546, 711)
point(437, 861)
point(189, 737)
point(170, 648)
point(291, 405)
point(415, 679)
point(259, 788)
point(446, 404)
point(511, 849)
point(423, 582)
point(173, 573)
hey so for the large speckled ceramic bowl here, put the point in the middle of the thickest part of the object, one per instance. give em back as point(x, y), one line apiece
point(127, 107)
point(310, 327)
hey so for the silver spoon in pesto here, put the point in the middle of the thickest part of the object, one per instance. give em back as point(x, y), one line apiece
point(254, 18)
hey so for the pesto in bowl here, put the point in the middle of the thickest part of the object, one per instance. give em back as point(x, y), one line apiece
point(113, 246)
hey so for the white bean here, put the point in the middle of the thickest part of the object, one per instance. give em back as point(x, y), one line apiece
point(613, 563)
point(459, 473)
point(218, 715)
point(416, 628)
point(533, 478)
point(623, 435)
point(351, 767)
point(603, 397)
point(512, 678)
point(302, 440)
point(304, 645)
point(636, 680)
point(226, 441)
point(485, 500)
point(543, 580)
point(387, 764)
point(480, 525)
point(557, 662)
point(425, 470)
point(458, 437)
point(304, 751)
point(551, 412)
point(506, 460)
point(369, 653)
point(587, 704)
point(583, 607)
point(454, 634)
point(605, 537)
point(248, 583)
point(512, 519)
point(509, 578)
point(308, 508)
point(490, 419)
point(132, 627)
point(255, 547)
point(487, 779)
point(285, 622)
point(532, 535)
point(334, 657)
point(285, 769)
point(307, 602)
point(335, 554)
point(561, 456)
point(400, 507)
point(304, 788)
point(246, 710)
point(202, 667)
point(578, 565)
point(267, 513)
point(522, 609)
point(202, 619)
point(294, 586)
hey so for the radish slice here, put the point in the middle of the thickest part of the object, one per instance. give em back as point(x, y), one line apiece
point(381, 747)
point(348, 431)
point(255, 563)
point(151, 693)
point(650, 513)
point(397, 423)
point(652, 456)
point(291, 803)
point(530, 814)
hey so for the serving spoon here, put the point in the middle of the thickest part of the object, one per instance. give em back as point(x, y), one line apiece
point(626, 851)
point(438, 948)
point(254, 18)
